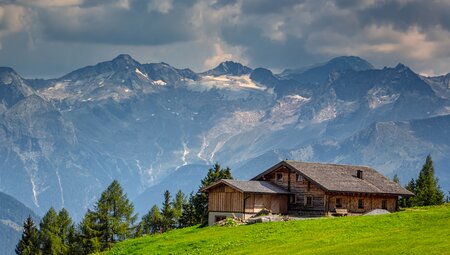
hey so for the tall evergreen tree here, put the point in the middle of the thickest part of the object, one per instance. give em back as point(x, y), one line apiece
point(178, 202)
point(66, 231)
point(216, 173)
point(88, 240)
point(114, 216)
point(29, 243)
point(151, 222)
point(167, 222)
point(51, 242)
point(188, 215)
point(427, 188)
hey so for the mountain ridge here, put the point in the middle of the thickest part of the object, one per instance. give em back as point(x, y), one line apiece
point(143, 123)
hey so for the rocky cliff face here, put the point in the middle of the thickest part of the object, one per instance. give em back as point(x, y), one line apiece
point(64, 140)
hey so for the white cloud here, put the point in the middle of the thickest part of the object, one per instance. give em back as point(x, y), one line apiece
point(162, 6)
point(13, 19)
point(219, 56)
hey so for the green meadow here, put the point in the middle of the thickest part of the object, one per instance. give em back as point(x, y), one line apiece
point(424, 230)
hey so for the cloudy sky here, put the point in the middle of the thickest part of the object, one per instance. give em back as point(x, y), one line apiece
point(47, 38)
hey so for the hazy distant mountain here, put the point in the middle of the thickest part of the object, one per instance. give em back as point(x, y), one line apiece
point(321, 73)
point(12, 215)
point(155, 127)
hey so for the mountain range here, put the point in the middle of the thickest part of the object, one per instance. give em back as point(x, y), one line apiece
point(155, 127)
point(12, 215)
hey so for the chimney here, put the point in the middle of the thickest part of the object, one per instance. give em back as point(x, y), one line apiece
point(359, 174)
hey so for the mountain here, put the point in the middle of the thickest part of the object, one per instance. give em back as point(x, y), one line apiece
point(155, 127)
point(12, 88)
point(12, 215)
point(229, 68)
point(321, 73)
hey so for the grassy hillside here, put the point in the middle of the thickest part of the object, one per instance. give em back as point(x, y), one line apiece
point(414, 231)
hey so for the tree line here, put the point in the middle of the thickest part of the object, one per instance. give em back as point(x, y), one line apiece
point(112, 219)
point(425, 188)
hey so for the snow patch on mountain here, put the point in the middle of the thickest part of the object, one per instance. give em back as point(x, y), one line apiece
point(227, 82)
point(159, 83)
point(378, 97)
point(61, 190)
point(139, 72)
point(325, 114)
point(286, 111)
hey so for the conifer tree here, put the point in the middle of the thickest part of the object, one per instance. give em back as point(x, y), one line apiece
point(114, 216)
point(151, 222)
point(427, 190)
point(178, 202)
point(29, 243)
point(51, 242)
point(66, 231)
point(167, 221)
point(88, 240)
point(188, 215)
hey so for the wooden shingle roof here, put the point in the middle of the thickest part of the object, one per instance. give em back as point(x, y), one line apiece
point(264, 187)
point(342, 178)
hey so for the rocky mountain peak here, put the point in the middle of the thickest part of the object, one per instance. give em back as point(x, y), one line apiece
point(351, 63)
point(229, 68)
point(125, 60)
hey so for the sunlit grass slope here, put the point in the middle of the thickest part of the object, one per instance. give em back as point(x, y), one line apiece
point(414, 231)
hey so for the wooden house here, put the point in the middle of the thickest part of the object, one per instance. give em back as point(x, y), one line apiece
point(304, 189)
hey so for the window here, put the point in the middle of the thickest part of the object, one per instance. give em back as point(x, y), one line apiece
point(309, 186)
point(338, 202)
point(298, 178)
point(292, 199)
point(298, 199)
point(309, 201)
point(360, 203)
point(383, 204)
point(279, 177)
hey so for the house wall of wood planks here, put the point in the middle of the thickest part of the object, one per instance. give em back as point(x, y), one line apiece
point(320, 201)
point(226, 199)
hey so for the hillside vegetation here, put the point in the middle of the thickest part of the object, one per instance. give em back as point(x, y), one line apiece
point(424, 230)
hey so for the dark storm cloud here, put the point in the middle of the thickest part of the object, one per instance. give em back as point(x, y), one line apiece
point(134, 26)
point(404, 14)
point(37, 35)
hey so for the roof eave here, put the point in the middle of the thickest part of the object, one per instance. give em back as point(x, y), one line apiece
point(368, 192)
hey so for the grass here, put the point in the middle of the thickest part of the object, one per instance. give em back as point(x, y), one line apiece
point(423, 230)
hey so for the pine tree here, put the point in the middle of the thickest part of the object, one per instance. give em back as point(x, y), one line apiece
point(216, 173)
point(178, 202)
point(427, 189)
point(49, 233)
point(66, 230)
point(114, 216)
point(29, 243)
point(88, 240)
point(188, 215)
point(167, 222)
point(151, 222)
